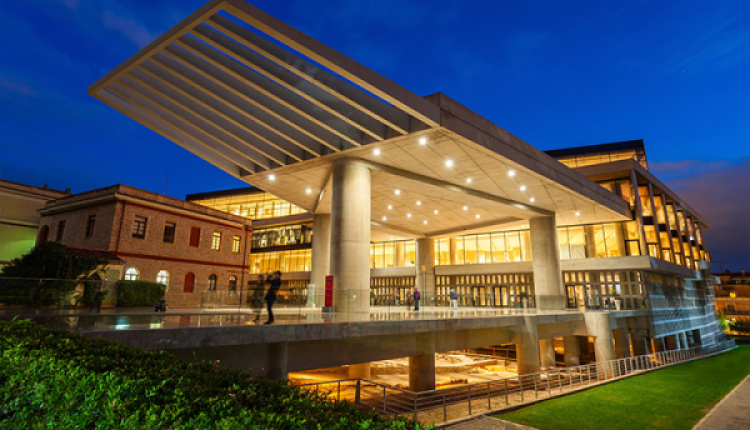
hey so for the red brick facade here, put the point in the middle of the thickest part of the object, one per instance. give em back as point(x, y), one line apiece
point(116, 209)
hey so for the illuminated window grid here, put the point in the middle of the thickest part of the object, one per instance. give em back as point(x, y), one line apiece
point(401, 253)
point(252, 206)
point(298, 260)
point(216, 241)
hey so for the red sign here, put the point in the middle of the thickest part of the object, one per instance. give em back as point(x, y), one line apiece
point(329, 291)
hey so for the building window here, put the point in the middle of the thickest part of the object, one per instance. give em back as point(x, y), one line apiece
point(232, 283)
point(212, 283)
point(60, 231)
point(90, 225)
point(139, 227)
point(216, 241)
point(162, 277)
point(195, 236)
point(189, 283)
point(169, 229)
point(131, 274)
point(236, 244)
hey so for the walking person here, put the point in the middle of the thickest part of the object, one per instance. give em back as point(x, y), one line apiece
point(454, 299)
point(417, 296)
point(275, 285)
point(255, 297)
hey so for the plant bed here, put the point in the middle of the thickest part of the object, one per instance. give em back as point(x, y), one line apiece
point(52, 379)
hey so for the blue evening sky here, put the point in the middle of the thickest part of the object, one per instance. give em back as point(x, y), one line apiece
point(554, 73)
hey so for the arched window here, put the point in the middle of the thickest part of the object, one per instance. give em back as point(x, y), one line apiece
point(131, 274)
point(212, 283)
point(43, 235)
point(189, 283)
point(232, 283)
point(162, 277)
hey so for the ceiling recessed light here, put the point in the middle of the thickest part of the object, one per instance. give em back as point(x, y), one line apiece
point(448, 163)
point(391, 238)
point(390, 207)
point(308, 190)
point(424, 222)
point(578, 213)
point(436, 211)
point(468, 180)
point(466, 208)
point(398, 192)
point(423, 141)
point(408, 215)
point(477, 216)
point(376, 152)
point(419, 202)
point(511, 173)
point(532, 200)
point(523, 187)
point(271, 177)
point(385, 218)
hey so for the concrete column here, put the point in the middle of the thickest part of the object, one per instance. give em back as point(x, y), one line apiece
point(361, 371)
point(422, 366)
point(684, 340)
point(547, 353)
point(452, 242)
point(278, 357)
point(640, 347)
point(548, 283)
point(622, 343)
point(527, 347)
point(658, 344)
point(599, 326)
point(399, 257)
point(572, 351)
point(350, 237)
point(321, 258)
point(426, 269)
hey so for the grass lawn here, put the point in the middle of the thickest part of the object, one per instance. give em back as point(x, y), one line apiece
point(673, 398)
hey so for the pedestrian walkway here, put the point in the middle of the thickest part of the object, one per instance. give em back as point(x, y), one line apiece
point(732, 412)
point(485, 423)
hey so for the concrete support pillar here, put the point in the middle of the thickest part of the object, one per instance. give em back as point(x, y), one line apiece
point(572, 351)
point(640, 347)
point(453, 246)
point(684, 340)
point(547, 353)
point(599, 326)
point(548, 283)
point(671, 342)
point(278, 357)
point(426, 269)
point(422, 366)
point(622, 343)
point(350, 237)
point(361, 371)
point(658, 344)
point(527, 348)
point(321, 258)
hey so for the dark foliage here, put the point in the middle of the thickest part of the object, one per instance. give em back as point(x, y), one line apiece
point(139, 293)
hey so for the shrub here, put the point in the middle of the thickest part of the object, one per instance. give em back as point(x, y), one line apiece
point(139, 293)
point(51, 379)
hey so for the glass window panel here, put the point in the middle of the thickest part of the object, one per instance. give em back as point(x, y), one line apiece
point(470, 249)
point(526, 245)
point(389, 254)
point(633, 248)
point(378, 254)
point(458, 257)
point(631, 230)
point(577, 240)
point(513, 246)
point(483, 249)
point(645, 201)
point(410, 254)
point(562, 240)
point(498, 247)
point(650, 231)
point(600, 248)
point(659, 209)
point(613, 240)
point(626, 191)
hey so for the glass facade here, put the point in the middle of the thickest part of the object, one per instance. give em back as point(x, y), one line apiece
point(497, 247)
point(297, 260)
point(252, 205)
point(591, 158)
point(402, 253)
point(293, 234)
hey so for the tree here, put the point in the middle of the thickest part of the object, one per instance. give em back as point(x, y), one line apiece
point(53, 271)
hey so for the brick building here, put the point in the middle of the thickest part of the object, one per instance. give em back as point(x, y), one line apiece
point(192, 249)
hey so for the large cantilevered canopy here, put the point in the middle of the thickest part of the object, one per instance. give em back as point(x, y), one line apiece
point(274, 107)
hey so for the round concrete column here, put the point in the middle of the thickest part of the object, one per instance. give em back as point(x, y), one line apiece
point(527, 348)
point(547, 353)
point(572, 351)
point(599, 326)
point(321, 257)
point(422, 366)
point(278, 357)
point(361, 371)
point(684, 340)
point(350, 237)
point(426, 269)
point(545, 252)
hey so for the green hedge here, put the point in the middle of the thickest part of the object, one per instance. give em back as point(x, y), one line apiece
point(51, 379)
point(139, 293)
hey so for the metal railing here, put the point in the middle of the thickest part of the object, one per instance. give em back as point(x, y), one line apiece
point(459, 401)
